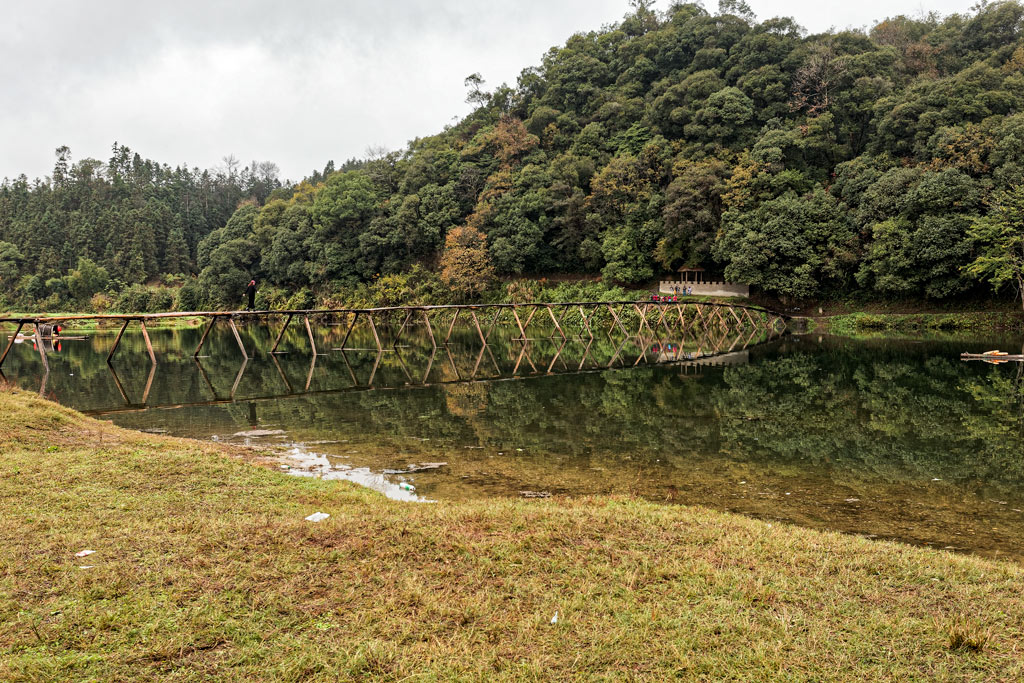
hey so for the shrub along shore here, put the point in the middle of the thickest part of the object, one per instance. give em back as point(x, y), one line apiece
point(204, 567)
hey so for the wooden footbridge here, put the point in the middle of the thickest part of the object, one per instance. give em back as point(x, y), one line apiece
point(652, 319)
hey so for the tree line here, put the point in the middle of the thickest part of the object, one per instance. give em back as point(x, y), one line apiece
point(885, 163)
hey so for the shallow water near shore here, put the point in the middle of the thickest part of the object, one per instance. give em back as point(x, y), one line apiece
point(895, 439)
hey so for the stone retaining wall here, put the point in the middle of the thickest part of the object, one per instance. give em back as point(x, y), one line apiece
point(705, 288)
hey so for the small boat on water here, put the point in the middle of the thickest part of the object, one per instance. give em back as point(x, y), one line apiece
point(994, 357)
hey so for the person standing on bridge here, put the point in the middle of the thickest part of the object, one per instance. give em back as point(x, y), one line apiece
point(250, 292)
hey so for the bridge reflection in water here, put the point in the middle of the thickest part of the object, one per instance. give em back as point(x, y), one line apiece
point(421, 365)
point(425, 345)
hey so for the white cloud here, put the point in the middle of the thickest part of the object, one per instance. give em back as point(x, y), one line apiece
point(193, 81)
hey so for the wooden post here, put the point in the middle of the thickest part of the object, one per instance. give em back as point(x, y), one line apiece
point(430, 330)
point(682, 320)
point(452, 326)
point(494, 322)
point(351, 327)
point(10, 343)
point(120, 387)
point(149, 383)
point(586, 322)
point(483, 339)
point(586, 353)
point(351, 372)
point(558, 353)
point(739, 322)
point(643, 318)
point(42, 351)
point(284, 377)
point(309, 331)
point(529, 319)
point(520, 359)
point(280, 335)
point(117, 340)
point(479, 359)
point(402, 328)
point(557, 326)
point(405, 368)
point(376, 364)
point(149, 344)
point(617, 321)
point(206, 378)
point(238, 377)
point(238, 338)
point(522, 330)
point(376, 337)
point(203, 339)
point(430, 362)
point(451, 361)
point(312, 366)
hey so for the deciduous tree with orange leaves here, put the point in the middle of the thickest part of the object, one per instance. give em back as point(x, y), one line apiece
point(465, 265)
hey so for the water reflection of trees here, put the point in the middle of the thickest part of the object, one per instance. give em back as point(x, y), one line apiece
point(875, 411)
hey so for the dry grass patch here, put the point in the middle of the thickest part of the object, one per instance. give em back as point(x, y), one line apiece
point(205, 569)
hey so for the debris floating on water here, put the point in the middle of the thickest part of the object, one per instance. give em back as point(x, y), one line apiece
point(535, 494)
point(317, 517)
point(406, 486)
point(422, 466)
point(259, 432)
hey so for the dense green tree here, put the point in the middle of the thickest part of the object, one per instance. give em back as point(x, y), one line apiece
point(1000, 238)
point(806, 165)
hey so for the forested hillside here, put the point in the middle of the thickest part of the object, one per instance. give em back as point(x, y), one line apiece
point(806, 165)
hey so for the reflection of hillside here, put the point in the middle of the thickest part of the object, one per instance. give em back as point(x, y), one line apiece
point(889, 412)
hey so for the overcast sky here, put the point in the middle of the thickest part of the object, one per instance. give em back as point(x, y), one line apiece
point(295, 83)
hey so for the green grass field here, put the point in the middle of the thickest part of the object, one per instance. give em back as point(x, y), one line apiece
point(205, 570)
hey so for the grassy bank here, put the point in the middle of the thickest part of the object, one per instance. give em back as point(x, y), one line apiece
point(204, 568)
point(855, 324)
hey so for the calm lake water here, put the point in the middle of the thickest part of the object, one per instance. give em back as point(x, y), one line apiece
point(890, 438)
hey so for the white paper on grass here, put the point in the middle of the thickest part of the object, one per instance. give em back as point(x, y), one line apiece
point(317, 517)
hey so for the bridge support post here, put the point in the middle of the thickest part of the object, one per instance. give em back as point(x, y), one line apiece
point(401, 329)
point(555, 321)
point(238, 338)
point(451, 327)
point(117, 340)
point(351, 326)
point(309, 331)
point(522, 330)
point(10, 343)
point(476, 322)
point(42, 350)
point(494, 321)
point(376, 337)
point(586, 323)
point(202, 339)
point(280, 335)
point(430, 331)
point(149, 344)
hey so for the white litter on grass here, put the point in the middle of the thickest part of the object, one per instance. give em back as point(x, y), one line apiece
point(84, 553)
point(87, 566)
point(317, 517)
point(554, 619)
